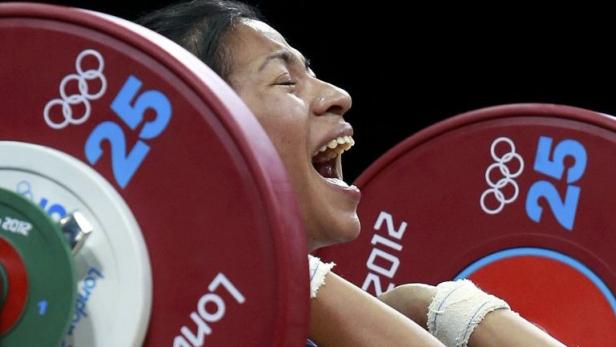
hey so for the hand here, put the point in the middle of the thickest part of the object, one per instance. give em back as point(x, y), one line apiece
point(412, 300)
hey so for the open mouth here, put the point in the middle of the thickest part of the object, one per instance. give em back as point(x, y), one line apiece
point(327, 159)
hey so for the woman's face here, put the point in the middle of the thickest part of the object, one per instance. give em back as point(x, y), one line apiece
point(303, 117)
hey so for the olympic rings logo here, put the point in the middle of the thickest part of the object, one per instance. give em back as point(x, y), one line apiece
point(508, 176)
point(24, 189)
point(84, 97)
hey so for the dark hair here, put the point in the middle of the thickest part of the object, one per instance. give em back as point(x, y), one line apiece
point(200, 26)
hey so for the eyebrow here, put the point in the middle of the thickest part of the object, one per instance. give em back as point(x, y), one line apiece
point(286, 57)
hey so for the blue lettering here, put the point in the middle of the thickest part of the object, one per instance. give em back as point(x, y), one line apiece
point(87, 288)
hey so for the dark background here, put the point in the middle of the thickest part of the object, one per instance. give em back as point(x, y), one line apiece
point(410, 66)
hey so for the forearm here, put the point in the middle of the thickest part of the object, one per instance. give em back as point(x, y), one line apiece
point(344, 315)
point(506, 329)
point(501, 327)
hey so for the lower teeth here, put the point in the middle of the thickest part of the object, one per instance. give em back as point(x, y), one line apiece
point(337, 182)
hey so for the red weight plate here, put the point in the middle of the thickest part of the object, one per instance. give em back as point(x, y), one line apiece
point(528, 176)
point(199, 174)
point(17, 291)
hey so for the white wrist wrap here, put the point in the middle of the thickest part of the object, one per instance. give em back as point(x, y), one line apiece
point(457, 308)
point(317, 271)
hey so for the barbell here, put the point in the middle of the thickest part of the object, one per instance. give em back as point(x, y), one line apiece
point(197, 238)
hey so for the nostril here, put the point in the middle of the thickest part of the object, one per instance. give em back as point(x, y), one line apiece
point(335, 109)
point(335, 101)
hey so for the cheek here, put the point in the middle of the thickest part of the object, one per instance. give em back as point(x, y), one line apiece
point(288, 132)
point(284, 120)
point(289, 140)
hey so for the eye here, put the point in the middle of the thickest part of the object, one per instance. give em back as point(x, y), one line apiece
point(285, 80)
point(287, 83)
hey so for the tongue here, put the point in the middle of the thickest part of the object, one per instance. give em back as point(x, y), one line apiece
point(326, 169)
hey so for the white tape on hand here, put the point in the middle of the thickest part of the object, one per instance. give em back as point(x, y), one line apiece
point(456, 310)
point(317, 270)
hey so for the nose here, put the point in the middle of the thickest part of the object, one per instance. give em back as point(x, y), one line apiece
point(331, 100)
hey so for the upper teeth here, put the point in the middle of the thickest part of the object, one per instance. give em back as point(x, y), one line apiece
point(340, 144)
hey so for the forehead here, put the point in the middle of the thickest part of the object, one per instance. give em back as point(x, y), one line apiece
point(254, 40)
point(258, 28)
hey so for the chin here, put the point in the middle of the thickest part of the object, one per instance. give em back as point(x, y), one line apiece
point(335, 232)
point(352, 231)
